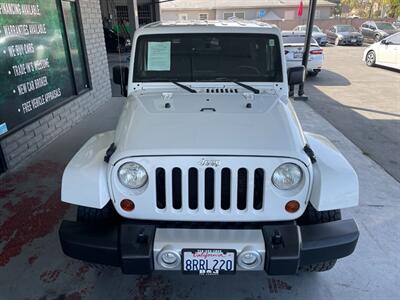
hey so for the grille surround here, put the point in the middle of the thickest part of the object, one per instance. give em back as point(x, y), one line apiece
point(272, 200)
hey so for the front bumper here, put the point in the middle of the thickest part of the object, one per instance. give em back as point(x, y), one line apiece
point(348, 41)
point(284, 247)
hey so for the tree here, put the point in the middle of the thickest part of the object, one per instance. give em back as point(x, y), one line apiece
point(369, 8)
point(393, 8)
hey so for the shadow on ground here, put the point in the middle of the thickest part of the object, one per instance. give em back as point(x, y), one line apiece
point(377, 137)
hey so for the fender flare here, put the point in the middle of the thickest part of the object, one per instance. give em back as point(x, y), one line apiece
point(335, 183)
point(84, 181)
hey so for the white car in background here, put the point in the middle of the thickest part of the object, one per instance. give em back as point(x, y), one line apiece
point(384, 53)
point(293, 43)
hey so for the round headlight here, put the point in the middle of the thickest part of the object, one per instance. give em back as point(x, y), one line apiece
point(132, 175)
point(287, 176)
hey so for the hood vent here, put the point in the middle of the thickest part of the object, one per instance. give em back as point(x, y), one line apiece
point(219, 90)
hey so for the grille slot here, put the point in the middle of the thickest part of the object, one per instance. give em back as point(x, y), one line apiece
point(225, 188)
point(193, 182)
point(242, 189)
point(160, 188)
point(176, 188)
point(258, 189)
point(210, 189)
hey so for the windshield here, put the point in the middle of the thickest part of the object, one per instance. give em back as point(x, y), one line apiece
point(304, 28)
point(316, 29)
point(345, 28)
point(384, 26)
point(208, 57)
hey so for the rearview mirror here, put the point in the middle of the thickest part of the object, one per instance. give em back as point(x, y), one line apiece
point(296, 75)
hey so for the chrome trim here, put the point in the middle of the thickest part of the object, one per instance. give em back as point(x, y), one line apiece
point(176, 239)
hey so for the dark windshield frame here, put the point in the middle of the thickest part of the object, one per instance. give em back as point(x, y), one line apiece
point(275, 60)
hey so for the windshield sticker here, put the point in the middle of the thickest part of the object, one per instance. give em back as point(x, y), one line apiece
point(272, 43)
point(3, 128)
point(159, 56)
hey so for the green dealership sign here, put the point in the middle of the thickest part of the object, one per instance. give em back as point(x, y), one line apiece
point(35, 73)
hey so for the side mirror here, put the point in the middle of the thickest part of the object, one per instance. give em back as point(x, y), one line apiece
point(296, 75)
point(120, 75)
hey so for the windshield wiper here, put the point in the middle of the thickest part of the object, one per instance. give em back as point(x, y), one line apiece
point(250, 88)
point(185, 87)
point(246, 86)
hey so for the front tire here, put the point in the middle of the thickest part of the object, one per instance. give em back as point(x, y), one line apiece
point(312, 216)
point(370, 59)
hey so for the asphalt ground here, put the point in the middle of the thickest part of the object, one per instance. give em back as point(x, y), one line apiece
point(361, 102)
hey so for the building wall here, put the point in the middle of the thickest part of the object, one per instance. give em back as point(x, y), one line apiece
point(25, 142)
point(173, 15)
point(287, 13)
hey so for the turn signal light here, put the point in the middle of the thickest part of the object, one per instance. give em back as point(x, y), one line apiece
point(127, 205)
point(292, 206)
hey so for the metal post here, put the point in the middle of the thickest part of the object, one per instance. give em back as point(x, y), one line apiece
point(310, 24)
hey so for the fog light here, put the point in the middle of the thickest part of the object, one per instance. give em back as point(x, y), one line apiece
point(168, 258)
point(127, 205)
point(292, 206)
point(249, 259)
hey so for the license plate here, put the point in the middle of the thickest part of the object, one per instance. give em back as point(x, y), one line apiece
point(208, 261)
point(298, 55)
point(353, 40)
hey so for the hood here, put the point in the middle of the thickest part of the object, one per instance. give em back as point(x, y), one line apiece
point(350, 33)
point(208, 124)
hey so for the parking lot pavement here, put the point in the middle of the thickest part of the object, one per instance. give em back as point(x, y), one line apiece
point(362, 102)
point(33, 267)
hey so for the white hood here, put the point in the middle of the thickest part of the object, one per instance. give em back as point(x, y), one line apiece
point(155, 123)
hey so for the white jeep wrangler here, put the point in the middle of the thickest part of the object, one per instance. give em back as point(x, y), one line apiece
point(209, 171)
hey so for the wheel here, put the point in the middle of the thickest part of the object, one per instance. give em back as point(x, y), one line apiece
point(312, 216)
point(94, 215)
point(337, 42)
point(370, 58)
point(377, 38)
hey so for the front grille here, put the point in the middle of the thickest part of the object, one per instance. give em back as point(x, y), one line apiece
point(210, 189)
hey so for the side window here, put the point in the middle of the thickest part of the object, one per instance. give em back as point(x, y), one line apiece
point(203, 16)
point(395, 40)
point(228, 15)
point(372, 26)
point(183, 17)
point(239, 15)
point(75, 45)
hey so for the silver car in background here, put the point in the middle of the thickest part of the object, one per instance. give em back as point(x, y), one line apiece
point(344, 35)
point(384, 53)
point(317, 34)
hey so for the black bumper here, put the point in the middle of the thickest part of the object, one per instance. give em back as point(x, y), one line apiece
point(130, 246)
